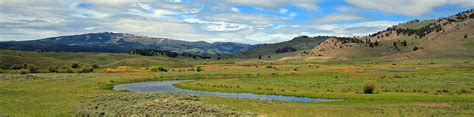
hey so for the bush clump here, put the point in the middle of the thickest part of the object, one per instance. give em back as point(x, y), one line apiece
point(32, 68)
point(74, 65)
point(25, 68)
point(161, 69)
point(53, 69)
point(199, 69)
point(370, 86)
point(86, 69)
point(95, 66)
point(269, 66)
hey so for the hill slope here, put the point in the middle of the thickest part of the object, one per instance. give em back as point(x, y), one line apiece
point(293, 47)
point(450, 37)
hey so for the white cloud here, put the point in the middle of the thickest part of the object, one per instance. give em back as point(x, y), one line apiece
point(217, 26)
point(339, 17)
point(161, 12)
point(151, 28)
point(145, 10)
point(262, 37)
point(223, 26)
point(307, 4)
point(83, 13)
point(251, 19)
point(403, 7)
point(464, 3)
point(273, 4)
point(178, 1)
point(91, 28)
point(144, 6)
point(234, 9)
point(283, 11)
point(25, 34)
point(355, 29)
point(17, 18)
point(293, 14)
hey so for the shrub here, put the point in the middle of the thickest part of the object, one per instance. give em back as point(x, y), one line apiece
point(66, 70)
point(86, 69)
point(156, 69)
point(464, 91)
point(415, 48)
point(69, 70)
point(199, 69)
point(74, 65)
point(191, 69)
point(369, 87)
point(53, 69)
point(269, 66)
point(284, 49)
point(32, 68)
point(162, 69)
point(23, 71)
point(95, 66)
point(153, 69)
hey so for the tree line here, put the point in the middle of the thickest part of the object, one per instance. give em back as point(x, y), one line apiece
point(155, 52)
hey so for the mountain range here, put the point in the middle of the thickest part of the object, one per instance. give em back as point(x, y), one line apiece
point(121, 42)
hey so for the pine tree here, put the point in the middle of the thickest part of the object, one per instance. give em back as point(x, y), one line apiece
point(395, 45)
point(404, 43)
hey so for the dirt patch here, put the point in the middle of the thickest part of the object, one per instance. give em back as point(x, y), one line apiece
point(328, 47)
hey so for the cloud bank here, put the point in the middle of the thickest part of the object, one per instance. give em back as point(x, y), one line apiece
point(244, 21)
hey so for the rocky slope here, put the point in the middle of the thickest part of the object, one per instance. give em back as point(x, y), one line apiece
point(450, 37)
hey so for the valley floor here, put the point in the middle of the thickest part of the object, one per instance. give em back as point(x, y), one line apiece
point(406, 88)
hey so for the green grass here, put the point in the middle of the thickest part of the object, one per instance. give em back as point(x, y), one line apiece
point(437, 87)
point(429, 84)
point(45, 59)
point(63, 94)
point(362, 109)
point(431, 90)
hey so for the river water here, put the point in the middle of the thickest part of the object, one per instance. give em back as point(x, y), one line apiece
point(168, 86)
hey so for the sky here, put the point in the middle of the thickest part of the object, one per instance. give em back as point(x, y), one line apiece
point(242, 21)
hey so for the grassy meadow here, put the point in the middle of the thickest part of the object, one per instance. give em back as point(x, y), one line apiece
point(432, 87)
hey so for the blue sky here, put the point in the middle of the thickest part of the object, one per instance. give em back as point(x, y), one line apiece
point(244, 21)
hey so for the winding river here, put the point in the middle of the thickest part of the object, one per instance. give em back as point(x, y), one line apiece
point(168, 86)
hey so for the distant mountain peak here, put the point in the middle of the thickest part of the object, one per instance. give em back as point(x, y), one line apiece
point(119, 42)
